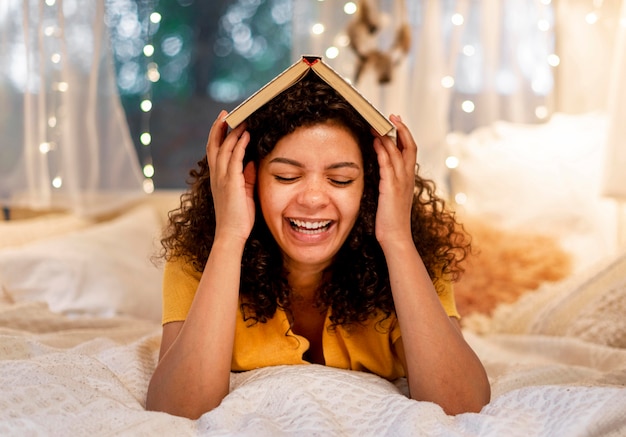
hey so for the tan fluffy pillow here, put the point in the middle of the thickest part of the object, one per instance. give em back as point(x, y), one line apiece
point(505, 265)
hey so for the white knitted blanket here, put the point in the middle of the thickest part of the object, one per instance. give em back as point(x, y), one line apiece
point(88, 377)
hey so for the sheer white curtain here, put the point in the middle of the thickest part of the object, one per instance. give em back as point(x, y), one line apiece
point(469, 63)
point(615, 169)
point(65, 140)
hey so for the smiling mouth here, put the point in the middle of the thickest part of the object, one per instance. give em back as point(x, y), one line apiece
point(310, 227)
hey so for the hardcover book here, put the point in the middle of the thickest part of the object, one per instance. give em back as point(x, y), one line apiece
point(297, 71)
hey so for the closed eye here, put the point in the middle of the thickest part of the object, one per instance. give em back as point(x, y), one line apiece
point(285, 179)
point(341, 183)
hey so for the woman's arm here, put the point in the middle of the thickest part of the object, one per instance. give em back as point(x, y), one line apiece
point(193, 373)
point(440, 366)
point(192, 376)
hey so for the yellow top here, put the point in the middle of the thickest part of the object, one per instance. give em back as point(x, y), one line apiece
point(367, 347)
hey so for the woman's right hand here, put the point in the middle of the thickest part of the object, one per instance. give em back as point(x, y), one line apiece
point(193, 373)
point(232, 186)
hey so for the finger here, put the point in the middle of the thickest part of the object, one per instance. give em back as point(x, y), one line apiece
point(225, 150)
point(393, 157)
point(235, 163)
point(384, 160)
point(216, 136)
point(406, 144)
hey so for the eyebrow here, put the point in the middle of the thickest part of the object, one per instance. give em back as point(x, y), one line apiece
point(334, 166)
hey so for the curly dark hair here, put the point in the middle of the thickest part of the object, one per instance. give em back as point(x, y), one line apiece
point(357, 283)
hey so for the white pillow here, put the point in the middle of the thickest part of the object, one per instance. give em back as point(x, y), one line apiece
point(530, 173)
point(104, 270)
point(545, 178)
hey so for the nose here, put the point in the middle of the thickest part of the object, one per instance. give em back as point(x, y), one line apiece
point(313, 194)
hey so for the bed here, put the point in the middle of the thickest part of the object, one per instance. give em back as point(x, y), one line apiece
point(80, 331)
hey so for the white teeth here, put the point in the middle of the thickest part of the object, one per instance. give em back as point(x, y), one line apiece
point(310, 226)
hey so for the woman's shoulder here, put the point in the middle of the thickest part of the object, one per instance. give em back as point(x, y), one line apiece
point(180, 268)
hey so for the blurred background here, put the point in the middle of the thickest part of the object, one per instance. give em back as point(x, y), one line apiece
point(102, 101)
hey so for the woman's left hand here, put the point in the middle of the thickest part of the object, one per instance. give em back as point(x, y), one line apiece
point(440, 366)
point(397, 182)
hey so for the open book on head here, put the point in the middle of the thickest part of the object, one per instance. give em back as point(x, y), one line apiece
point(297, 71)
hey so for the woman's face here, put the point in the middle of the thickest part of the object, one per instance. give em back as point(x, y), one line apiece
point(310, 188)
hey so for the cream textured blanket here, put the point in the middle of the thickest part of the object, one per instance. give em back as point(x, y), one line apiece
point(88, 376)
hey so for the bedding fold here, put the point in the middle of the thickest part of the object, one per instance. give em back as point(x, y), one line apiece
point(89, 375)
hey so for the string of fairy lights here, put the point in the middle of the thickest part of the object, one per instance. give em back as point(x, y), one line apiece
point(545, 26)
point(51, 145)
point(146, 104)
point(50, 131)
point(340, 42)
point(448, 82)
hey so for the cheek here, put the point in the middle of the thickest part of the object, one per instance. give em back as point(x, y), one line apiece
point(351, 202)
point(270, 200)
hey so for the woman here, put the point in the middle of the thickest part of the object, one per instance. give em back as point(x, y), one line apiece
point(312, 241)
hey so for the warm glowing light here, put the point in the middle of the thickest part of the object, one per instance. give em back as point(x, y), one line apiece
point(539, 85)
point(155, 17)
point(332, 52)
point(452, 162)
point(457, 19)
point(145, 105)
point(468, 106)
point(50, 2)
point(554, 60)
point(148, 186)
point(460, 198)
point(45, 147)
point(154, 75)
point(469, 50)
point(349, 8)
point(145, 138)
point(546, 2)
point(541, 112)
point(48, 30)
point(543, 25)
point(148, 50)
point(591, 18)
point(61, 86)
point(148, 170)
point(52, 121)
point(153, 72)
point(55, 58)
point(447, 82)
point(57, 182)
point(342, 40)
point(318, 28)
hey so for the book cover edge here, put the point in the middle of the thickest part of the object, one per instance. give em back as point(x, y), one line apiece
point(310, 61)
